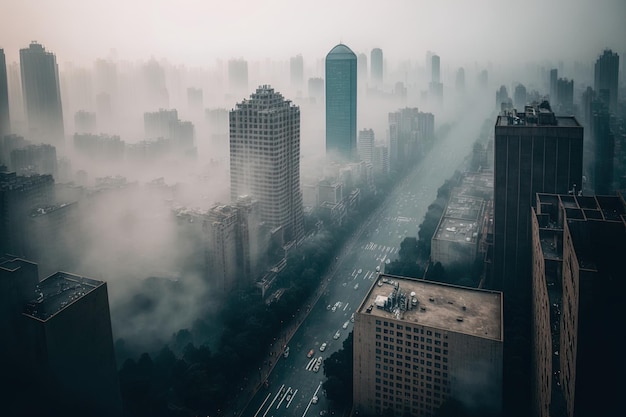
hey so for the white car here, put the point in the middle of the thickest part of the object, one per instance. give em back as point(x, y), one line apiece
point(346, 324)
point(316, 368)
point(334, 308)
point(359, 271)
point(337, 335)
point(356, 286)
point(314, 399)
point(352, 318)
point(323, 347)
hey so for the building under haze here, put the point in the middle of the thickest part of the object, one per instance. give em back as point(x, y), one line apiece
point(296, 72)
point(238, 77)
point(366, 145)
point(606, 74)
point(376, 65)
point(341, 90)
point(578, 246)
point(435, 87)
point(5, 120)
point(460, 80)
point(42, 96)
point(61, 343)
point(419, 343)
point(265, 159)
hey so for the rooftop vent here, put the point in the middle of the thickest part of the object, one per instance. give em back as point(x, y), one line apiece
point(431, 299)
point(422, 308)
point(459, 319)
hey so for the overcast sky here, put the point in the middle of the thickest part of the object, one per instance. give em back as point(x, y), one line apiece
point(197, 32)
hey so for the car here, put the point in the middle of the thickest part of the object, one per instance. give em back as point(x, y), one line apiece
point(328, 307)
point(314, 399)
point(323, 412)
point(352, 318)
point(323, 347)
point(378, 268)
point(356, 286)
point(310, 354)
point(337, 335)
point(316, 368)
point(288, 397)
point(286, 352)
point(346, 324)
point(334, 308)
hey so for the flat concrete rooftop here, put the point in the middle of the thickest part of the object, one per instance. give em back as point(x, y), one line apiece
point(448, 307)
point(57, 292)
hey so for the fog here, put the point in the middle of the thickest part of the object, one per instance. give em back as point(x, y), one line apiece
point(120, 60)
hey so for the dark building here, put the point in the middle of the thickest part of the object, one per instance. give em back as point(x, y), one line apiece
point(409, 130)
point(519, 97)
point(578, 246)
point(42, 96)
point(554, 77)
point(606, 74)
point(565, 96)
point(376, 65)
point(5, 120)
point(84, 122)
point(604, 150)
point(341, 88)
point(34, 159)
point(503, 101)
point(534, 151)
point(436, 87)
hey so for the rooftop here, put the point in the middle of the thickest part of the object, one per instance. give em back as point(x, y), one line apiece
point(58, 292)
point(341, 51)
point(457, 230)
point(464, 310)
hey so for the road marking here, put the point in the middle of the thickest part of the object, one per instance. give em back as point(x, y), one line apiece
point(311, 400)
point(273, 401)
point(310, 365)
point(344, 309)
point(292, 397)
point(283, 398)
point(257, 411)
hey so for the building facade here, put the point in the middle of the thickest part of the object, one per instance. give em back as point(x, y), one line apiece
point(42, 96)
point(376, 63)
point(341, 91)
point(419, 343)
point(5, 120)
point(365, 145)
point(606, 75)
point(265, 159)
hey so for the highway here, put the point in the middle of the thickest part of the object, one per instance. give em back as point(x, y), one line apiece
point(294, 381)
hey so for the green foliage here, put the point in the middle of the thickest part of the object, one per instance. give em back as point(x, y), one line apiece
point(338, 370)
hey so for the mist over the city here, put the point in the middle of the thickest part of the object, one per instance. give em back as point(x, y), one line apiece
point(213, 208)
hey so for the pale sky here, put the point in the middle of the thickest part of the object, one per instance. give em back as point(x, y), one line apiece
point(197, 32)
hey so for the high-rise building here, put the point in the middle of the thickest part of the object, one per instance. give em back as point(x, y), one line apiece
point(296, 72)
point(5, 120)
point(316, 89)
point(436, 87)
point(606, 73)
point(376, 62)
point(409, 129)
point(34, 159)
point(534, 151)
point(366, 145)
point(220, 230)
point(341, 87)
point(84, 122)
point(460, 80)
point(419, 343)
point(553, 84)
point(361, 71)
point(435, 70)
point(265, 159)
point(238, 77)
point(519, 97)
point(578, 246)
point(380, 159)
point(565, 96)
point(42, 96)
point(603, 140)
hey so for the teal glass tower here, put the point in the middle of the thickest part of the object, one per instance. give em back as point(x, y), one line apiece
point(341, 64)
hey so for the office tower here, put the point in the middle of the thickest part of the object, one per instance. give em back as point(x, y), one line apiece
point(69, 350)
point(419, 343)
point(42, 96)
point(238, 77)
point(34, 159)
point(296, 72)
point(483, 80)
point(553, 85)
point(519, 97)
point(535, 151)
point(502, 99)
point(341, 85)
point(604, 150)
point(435, 86)
point(84, 122)
point(316, 89)
point(578, 247)
point(376, 62)
point(606, 73)
point(380, 159)
point(460, 80)
point(265, 159)
point(5, 120)
point(220, 228)
point(366, 145)
point(565, 96)
point(409, 129)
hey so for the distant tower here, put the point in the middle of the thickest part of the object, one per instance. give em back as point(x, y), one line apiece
point(275, 181)
point(460, 80)
point(554, 77)
point(377, 66)
point(238, 77)
point(606, 73)
point(366, 145)
point(296, 71)
point(519, 97)
point(435, 86)
point(361, 72)
point(341, 86)
point(42, 96)
point(565, 96)
point(435, 71)
point(5, 121)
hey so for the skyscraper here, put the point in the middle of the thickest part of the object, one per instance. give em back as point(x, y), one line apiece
point(534, 151)
point(606, 73)
point(265, 159)
point(377, 66)
point(296, 71)
point(435, 71)
point(42, 96)
point(366, 145)
point(238, 77)
point(460, 80)
point(436, 87)
point(341, 86)
point(5, 121)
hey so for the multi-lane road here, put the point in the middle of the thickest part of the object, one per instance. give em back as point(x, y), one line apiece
point(294, 387)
